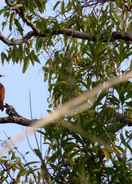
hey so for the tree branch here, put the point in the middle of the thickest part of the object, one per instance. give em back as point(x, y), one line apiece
point(14, 117)
point(90, 3)
point(20, 12)
point(17, 120)
point(87, 3)
point(20, 41)
point(127, 36)
point(121, 121)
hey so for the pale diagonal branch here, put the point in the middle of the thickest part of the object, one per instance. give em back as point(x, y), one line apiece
point(69, 108)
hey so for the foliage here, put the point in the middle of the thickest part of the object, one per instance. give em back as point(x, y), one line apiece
point(74, 66)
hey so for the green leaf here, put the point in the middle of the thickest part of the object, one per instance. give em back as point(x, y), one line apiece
point(56, 5)
point(19, 27)
point(62, 7)
point(25, 64)
point(12, 17)
point(3, 57)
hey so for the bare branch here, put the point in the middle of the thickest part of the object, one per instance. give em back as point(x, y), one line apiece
point(87, 3)
point(122, 121)
point(17, 120)
point(20, 41)
point(20, 12)
point(14, 117)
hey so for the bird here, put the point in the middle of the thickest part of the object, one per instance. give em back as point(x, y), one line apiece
point(2, 95)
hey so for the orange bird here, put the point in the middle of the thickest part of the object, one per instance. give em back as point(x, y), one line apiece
point(2, 95)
